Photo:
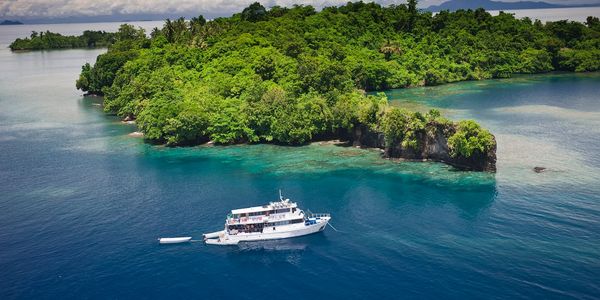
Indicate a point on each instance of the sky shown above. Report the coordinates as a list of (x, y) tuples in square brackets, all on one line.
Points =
[(41, 9)]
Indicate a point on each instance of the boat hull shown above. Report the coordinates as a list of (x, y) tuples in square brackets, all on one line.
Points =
[(293, 231)]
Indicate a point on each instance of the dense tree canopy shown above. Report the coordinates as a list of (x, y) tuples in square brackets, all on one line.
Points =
[(291, 75)]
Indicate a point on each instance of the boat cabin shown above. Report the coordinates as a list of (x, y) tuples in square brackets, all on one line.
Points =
[(255, 219), (258, 227)]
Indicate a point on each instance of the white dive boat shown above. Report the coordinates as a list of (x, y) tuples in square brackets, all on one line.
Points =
[(276, 220)]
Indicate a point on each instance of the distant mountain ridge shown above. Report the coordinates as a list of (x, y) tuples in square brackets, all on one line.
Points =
[(499, 5), (10, 22), (122, 18)]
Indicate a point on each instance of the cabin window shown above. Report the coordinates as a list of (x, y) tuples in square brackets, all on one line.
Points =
[(282, 211), (293, 209)]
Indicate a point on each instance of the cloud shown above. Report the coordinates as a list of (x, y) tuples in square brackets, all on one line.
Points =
[(66, 8)]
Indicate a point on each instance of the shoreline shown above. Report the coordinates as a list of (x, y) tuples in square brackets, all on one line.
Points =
[(386, 152), (513, 76)]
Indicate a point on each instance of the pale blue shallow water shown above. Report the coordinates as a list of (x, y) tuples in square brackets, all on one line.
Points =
[(82, 203)]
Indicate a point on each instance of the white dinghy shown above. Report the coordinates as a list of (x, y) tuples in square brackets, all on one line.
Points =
[(175, 240)]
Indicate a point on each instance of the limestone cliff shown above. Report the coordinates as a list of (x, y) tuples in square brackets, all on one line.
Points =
[(432, 144)]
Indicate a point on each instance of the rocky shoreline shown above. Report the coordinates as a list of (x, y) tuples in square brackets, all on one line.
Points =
[(432, 149), (432, 146)]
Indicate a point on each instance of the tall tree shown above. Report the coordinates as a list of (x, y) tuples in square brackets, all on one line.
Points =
[(413, 13), (254, 13)]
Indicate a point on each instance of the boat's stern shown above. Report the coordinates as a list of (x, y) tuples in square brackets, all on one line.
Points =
[(221, 241), (213, 235), (218, 238)]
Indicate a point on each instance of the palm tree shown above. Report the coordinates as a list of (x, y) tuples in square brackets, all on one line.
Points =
[(169, 30), (196, 24), (180, 30)]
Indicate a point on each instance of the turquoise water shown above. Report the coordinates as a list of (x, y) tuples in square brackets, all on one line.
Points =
[(82, 203)]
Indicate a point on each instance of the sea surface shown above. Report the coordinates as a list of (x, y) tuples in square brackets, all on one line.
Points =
[(82, 203), (578, 14)]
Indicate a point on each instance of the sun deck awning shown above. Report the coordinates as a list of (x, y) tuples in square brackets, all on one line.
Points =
[(267, 207), (251, 209)]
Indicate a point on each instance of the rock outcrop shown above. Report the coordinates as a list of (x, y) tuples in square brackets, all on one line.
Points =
[(432, 145)]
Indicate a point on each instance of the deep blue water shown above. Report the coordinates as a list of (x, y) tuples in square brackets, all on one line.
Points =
[(82, 203)]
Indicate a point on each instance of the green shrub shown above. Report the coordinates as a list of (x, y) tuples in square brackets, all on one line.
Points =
[(469, 138)]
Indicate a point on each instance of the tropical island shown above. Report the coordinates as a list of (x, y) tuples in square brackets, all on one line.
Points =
[(294, 75), (50, 40)]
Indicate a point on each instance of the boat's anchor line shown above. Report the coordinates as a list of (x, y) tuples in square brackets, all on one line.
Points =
[(328, 223)]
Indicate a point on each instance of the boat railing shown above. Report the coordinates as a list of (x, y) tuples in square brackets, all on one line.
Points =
[(319, 215), (273, 217)]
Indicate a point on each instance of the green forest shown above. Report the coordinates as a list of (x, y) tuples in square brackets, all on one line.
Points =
[(50, 40), (294, 75)]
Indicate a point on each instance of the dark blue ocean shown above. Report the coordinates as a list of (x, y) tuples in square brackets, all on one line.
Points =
[(82, 202)]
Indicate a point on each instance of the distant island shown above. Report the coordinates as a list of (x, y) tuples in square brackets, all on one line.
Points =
[(454, 5), (10, 22), (116, 17), (50, 40)]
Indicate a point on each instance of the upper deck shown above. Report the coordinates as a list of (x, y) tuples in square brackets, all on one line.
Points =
[(261, 210), (274, 211)]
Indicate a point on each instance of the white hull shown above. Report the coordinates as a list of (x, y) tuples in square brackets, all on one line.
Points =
[(282, 232)]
